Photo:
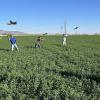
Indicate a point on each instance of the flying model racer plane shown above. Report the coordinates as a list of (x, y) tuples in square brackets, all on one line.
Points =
[(12, 22), (76, 28)]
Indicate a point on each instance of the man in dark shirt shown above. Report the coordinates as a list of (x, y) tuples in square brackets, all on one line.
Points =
[(38, 42)]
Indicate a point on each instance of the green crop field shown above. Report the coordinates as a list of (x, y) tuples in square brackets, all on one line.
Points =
[(53, 72)]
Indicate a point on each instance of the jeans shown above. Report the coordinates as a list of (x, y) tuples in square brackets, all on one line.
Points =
[(37, 45), (14, 46), (64, 43)]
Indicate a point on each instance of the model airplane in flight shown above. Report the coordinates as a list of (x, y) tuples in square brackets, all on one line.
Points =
[(12, 22), (76, 28)]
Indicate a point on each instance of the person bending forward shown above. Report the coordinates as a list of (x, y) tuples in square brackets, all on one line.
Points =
[(13, 43)]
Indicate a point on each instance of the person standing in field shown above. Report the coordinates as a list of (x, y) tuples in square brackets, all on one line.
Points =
[(64, 39), (13, 43), (38, 42)]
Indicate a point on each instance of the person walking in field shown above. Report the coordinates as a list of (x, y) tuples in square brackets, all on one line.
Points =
[(13, 43), (38, 42), (64, 39)]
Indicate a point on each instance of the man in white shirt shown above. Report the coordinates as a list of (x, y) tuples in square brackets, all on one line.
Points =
[(64, 39)]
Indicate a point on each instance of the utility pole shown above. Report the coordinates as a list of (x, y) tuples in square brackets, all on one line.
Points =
[(61, 30), (65, 28)]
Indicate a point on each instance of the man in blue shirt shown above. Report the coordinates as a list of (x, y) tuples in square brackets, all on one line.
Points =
[(13, 43)]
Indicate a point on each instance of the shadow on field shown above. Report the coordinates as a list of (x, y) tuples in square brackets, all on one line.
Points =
[(2, 49), (3, 77), (30, 47), (59, 45), (79, 76)]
